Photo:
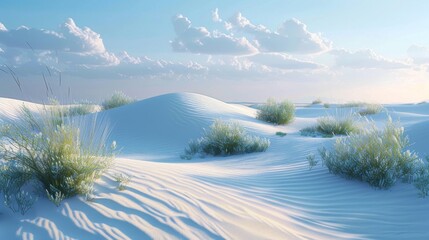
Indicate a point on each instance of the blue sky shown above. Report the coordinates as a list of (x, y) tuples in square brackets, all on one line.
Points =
[(377, 48)]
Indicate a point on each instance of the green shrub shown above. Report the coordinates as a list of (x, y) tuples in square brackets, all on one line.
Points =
[(421, 178), (281, 134), (312, 162), (58, 154), (374, 156), (225, 138), (339, 125), (326, 105), (116, 100), (81, 109), (352, 104), (278, 113), (122, 180), (317, 101), (333, 125), (371, 109)]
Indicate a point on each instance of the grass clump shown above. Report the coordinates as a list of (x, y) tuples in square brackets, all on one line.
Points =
[(371, 109), (53, 154), (352, 105), (81, 109), (277, 113), (337, 125), (122, 180), (225, 138), (317, 101), (330, 126), (312, 162), (281, 134), (116, 100), (377, 157)]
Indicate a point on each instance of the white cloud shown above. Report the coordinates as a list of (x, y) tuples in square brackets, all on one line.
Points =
[(200, 40), (215, 15), (138, 67), (70, 38), (282, 61), (70, 45), (82, 40), (2, 27), (365, 59), (419, 54), (291, 37)]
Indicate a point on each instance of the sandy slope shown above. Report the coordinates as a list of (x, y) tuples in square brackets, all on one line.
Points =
[(271, 195)]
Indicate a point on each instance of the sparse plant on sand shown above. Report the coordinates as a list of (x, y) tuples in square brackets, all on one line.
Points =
[(329, 126), (58, 154), (281, 134), (317, 101), (116, 100), (312, 162), (225, 138), (277, 112), (371, 109), (352, 104), (375, 156), (122, 180), (81, 109)]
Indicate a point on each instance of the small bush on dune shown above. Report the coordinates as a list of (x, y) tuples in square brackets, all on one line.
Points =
[(333, 125), (340, 125), (317, 101), (225, 138), (52, 153), (374, 156), (278, 113), (352, 104), (81, 109), (116, 100), (312, 162), (122, 180), (371, 109), (281, 134)]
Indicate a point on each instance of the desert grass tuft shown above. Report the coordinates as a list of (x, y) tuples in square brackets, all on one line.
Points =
[(225, 138), (277, 112), (281, 134), (378, 157), (330, 126), (317, 101), (371, 109), (62, 156), (116, 100), (122, 180)]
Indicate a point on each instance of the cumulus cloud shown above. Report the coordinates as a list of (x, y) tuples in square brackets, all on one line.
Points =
[(2, 27), (365, 59), (69, 38), (138, 67), (419, 54), (200, 40), (215, 15), (291, 37), (70, 45), (282, 61)]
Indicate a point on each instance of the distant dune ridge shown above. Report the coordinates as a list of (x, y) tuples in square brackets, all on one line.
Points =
[(269, 195)]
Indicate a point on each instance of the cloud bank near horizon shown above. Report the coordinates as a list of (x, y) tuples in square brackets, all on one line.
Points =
[(241, 51)]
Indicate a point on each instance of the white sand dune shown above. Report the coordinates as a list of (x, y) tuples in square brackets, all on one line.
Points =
[(163, 125), (270, 195), (11, 108)]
